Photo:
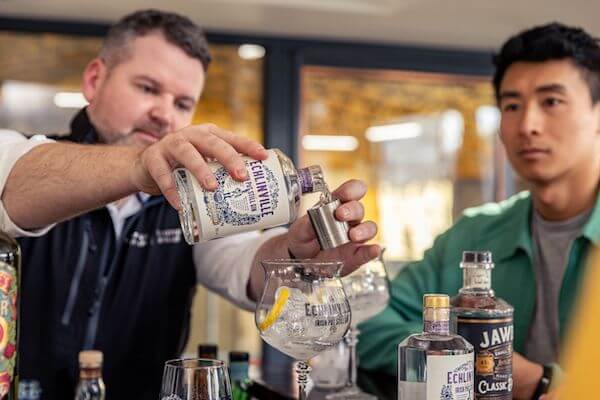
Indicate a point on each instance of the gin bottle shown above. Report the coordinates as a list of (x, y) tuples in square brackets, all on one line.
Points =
[(435, 364), (269, 197), (29, 389), (487, 323), (90, 386)]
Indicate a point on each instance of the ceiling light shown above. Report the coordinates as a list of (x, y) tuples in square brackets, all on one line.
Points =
[(70, 100), (251, 51), (405, 130), (329, 143)]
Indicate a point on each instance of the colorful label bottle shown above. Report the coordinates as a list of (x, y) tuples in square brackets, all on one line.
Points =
[(487, 323), (10, 264)]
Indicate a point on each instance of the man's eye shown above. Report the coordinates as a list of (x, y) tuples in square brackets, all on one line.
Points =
[(552, 101), (147, 89), (184, 106)]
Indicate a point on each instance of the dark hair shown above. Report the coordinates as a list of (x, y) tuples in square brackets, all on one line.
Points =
[(177, 29), (553, 41)]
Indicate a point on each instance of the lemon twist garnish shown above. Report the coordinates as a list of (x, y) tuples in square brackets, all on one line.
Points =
[(276, 310)]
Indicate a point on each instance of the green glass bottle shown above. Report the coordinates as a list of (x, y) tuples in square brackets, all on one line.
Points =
[(238, 371)]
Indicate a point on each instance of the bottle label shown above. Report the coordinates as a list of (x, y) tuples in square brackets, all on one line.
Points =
[(478, 278), (8, 326), (329, 314), (441, 327), (306, 180), (259, 202), (450, 377), (492, 340)]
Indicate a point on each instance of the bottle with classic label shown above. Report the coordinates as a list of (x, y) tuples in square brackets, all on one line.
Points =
[(10, 268), (487, 323), (435, 364), (269, 197)]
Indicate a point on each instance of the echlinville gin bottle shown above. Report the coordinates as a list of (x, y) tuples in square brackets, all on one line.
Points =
[(90, 386), (10, 266), (435, 364), (269, 197), (487, 323)]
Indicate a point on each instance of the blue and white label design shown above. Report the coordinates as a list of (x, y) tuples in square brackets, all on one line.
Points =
[(492, 340), (259, 202), (450, 377)]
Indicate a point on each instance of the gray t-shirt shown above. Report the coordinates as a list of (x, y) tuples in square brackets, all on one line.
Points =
[(551, 245)]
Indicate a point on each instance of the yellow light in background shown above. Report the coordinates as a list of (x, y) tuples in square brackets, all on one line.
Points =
[(412, 215), (329, 143), (487, 120), (405, 130)]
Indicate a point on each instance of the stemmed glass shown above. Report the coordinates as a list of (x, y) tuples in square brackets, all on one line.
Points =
[(303, 310), (367, 290), (195, 379)]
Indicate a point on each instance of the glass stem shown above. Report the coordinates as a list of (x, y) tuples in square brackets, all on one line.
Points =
[(351, 341), (302, 369)]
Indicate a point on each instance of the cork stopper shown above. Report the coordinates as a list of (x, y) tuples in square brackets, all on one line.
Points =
[(90, 359), (436, 301)]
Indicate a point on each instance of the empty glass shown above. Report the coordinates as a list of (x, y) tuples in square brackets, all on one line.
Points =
[(303, 310), (367, 290), (195, 379)]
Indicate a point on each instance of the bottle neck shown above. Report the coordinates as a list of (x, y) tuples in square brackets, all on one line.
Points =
[(311, 179), (86, 373), (477, 281), (436, 321), (238, 370)]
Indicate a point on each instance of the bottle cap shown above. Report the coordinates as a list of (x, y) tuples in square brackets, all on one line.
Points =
[(311, 179), (90, 358), (477, 257), (436, 301), (238, 356), (330, 232), (207, 350)]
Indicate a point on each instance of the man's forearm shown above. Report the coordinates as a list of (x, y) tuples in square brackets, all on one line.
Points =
[(55, 181)]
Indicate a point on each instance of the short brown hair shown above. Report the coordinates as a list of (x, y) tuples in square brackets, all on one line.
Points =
[(177, 30)]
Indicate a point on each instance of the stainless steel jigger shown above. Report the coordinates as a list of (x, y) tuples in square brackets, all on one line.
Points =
[(330, 232)]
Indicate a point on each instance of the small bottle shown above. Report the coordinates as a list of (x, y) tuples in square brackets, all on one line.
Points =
[(435, 364), (269, 197), (487, 323), (10, 268), (238, 371), (208, 351), (90, 386), (30, 389)]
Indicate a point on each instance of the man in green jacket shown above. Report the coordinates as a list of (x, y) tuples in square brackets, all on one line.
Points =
[(547, 86)]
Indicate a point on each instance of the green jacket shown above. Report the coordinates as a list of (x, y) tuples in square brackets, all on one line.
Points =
[(504, 229)]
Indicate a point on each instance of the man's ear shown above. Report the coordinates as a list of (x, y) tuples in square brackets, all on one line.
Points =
[(597, 106), (93, 77)]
